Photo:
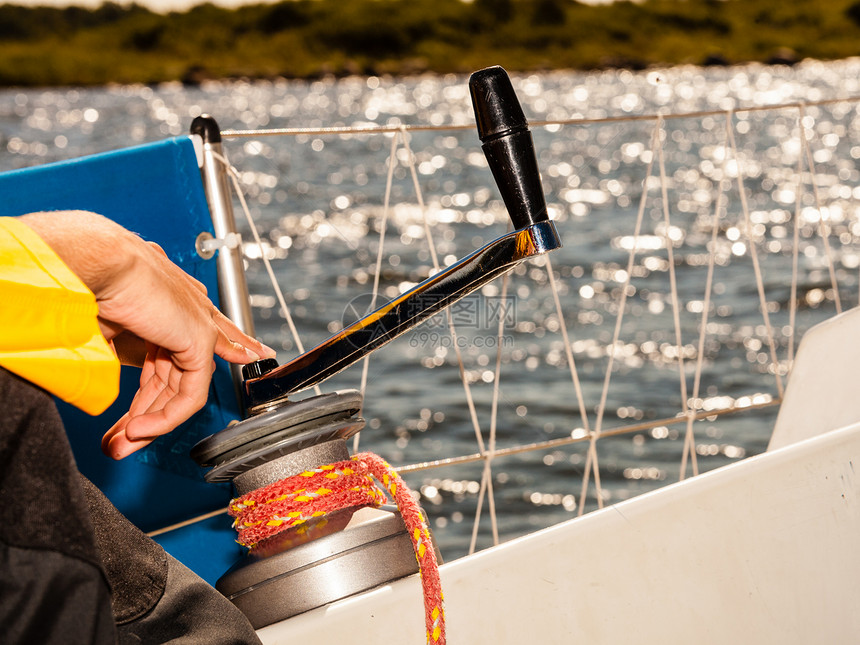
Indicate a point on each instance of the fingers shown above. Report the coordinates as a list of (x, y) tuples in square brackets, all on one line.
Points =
[(154, 300), (175, 385), (233, 345), (141, 293), (112, 442), (168, 396), (238, 352), (176, 395)]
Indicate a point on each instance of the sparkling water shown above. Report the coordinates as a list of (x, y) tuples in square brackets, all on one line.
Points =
[(319, 201)]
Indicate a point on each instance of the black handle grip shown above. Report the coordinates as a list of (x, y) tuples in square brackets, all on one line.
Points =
[(508, 146)]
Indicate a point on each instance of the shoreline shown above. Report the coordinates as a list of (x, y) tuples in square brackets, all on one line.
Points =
[(314, 39)]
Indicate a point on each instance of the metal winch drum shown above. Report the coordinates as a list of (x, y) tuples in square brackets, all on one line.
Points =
[(351, 551)]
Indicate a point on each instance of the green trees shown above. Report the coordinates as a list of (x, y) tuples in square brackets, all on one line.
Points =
[(306, 38)]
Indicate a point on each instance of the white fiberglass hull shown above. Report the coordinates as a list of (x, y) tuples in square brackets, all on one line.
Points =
[(762, 551)]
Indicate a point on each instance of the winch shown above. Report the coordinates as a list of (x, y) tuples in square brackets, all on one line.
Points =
[(325, 557)]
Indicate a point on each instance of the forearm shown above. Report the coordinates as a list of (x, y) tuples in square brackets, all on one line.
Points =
[(96, 249), (143, 297)]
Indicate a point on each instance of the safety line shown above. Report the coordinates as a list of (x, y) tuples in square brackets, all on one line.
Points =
[(591, 458), (390, 129), (524, 448), (759, 279)]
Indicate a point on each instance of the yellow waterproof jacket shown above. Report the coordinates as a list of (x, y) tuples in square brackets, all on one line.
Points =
[(49, 333)]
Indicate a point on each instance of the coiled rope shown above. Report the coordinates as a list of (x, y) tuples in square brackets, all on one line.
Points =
[(293, 501)]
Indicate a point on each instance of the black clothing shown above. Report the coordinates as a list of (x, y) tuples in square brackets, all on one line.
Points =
[(72, 568)]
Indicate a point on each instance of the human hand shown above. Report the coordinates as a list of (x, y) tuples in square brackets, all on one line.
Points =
[(152, 310)]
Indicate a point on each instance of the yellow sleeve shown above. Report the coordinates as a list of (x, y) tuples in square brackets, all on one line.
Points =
[(50, 334)]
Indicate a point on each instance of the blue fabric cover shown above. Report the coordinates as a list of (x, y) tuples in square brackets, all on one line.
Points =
[(156, 191)]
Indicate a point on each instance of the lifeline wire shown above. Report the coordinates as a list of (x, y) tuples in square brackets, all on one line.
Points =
[(689, 450), (234, 177), (383, 129), (676, 307), (759, 279), (823, 215), (746, 403), (594, 435), (486, 479)]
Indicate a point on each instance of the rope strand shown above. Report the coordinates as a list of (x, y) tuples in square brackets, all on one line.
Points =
[(293, 501)]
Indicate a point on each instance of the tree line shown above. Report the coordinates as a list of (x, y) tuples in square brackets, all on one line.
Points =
[(311, 38)]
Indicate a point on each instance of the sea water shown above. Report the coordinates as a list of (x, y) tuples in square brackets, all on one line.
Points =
[(319, 200)]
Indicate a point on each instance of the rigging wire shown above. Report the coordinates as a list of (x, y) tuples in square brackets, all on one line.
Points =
[(488, 454), (823, 218), (591, 458), (759, 279), (383, 129), (234, 177)]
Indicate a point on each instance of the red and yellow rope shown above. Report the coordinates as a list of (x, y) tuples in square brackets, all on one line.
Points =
[(291, 502)]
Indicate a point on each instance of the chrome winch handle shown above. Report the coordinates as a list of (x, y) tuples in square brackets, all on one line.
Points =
[(509, 149)]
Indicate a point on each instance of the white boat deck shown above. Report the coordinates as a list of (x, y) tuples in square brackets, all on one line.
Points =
[(760, 551)]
